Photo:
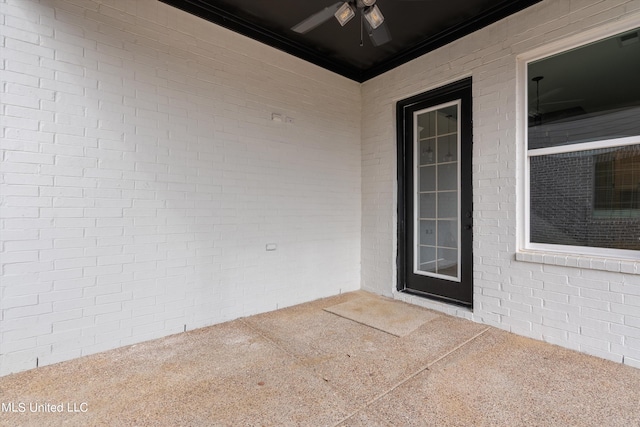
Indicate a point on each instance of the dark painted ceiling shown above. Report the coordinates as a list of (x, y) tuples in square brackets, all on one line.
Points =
[(416, 27)]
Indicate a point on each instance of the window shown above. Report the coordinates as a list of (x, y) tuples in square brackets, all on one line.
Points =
[(583, 148)]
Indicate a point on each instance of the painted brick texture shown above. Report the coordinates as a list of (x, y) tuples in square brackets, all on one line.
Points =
[(143, 177), (588, 304)]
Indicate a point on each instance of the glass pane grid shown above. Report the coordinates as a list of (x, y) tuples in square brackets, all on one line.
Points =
[(437, 193)]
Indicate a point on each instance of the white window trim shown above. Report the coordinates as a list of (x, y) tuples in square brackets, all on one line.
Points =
[(584, 146), (595, 258)]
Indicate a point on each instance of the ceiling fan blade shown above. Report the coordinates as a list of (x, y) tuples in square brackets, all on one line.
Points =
[(316, 19), (378, 36)]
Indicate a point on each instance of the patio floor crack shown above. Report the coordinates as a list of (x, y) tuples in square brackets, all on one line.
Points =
[(410, 377)]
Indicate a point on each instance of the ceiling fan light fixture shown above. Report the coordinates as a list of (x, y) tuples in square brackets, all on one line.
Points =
[(374, 16), (367, 2), (345, 13)]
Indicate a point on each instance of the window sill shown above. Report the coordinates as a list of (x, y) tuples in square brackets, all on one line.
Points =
[(580, 261)]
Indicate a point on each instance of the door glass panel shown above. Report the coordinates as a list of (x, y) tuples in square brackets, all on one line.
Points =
[(427, 151), (448, 204), (437, 192), (428, 260), (428, 205), (427, 125), (428, 233), (447, 263), (448, 176), (448, 148), (447, 233), (427, 178)]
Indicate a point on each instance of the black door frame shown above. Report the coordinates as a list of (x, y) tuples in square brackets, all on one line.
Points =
[(404, 127)]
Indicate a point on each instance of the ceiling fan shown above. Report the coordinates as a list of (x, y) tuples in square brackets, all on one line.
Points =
[(370, 16)]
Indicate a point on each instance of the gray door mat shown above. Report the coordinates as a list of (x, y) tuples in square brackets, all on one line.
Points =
[(393, 317)]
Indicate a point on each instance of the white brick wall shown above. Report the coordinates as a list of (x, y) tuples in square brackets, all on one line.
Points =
[(584, 307), (142, 177)]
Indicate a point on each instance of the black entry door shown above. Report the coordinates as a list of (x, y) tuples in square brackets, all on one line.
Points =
[(435, 208)]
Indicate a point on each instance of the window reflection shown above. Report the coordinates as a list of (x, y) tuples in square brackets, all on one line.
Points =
[(587, 198), (586, 94)]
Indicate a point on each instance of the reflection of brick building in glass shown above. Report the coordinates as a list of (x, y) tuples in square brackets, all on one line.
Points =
[(587, 198), (617, 182)]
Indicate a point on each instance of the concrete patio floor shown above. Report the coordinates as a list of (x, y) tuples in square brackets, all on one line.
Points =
[(303, 366)]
